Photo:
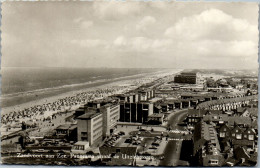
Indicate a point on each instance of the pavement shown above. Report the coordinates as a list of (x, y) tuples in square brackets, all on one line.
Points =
[(173, 147)]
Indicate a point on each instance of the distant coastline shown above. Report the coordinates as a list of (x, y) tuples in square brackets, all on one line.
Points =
[(20, 100)]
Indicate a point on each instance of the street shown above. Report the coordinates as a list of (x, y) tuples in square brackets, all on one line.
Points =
[(173, 148)]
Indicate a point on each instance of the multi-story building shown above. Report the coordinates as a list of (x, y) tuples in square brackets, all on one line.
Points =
[(110, 113), (136, 107), (186, 77), (90, 127), (135, 112), (132, 97), (110, 118)]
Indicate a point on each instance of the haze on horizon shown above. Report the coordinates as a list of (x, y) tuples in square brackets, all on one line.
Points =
[(131, 34)]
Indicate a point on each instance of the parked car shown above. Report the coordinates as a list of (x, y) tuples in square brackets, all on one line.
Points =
[(121, 133), (128, 140)]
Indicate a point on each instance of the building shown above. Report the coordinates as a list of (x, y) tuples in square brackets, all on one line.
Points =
[(146, 94), (196, 115), (80, 147), (110, 118), (239, 136), (227, 104), (136, 106), (186, 77), (135, 112), (224, 132), (90, 127), (206, 148), (156, 118), (109, 109), (68, 131), (119, 156)]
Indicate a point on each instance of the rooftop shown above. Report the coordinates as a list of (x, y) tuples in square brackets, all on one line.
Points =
[(89, 115), (155, 99), (225, 101), (67, 126), (156, 115), (82, 143)]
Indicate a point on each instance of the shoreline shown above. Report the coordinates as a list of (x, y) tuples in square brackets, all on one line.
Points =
[(15, 99), (116, 82)]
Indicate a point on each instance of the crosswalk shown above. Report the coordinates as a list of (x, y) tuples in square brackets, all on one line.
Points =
[(179, 132), (179, 139)]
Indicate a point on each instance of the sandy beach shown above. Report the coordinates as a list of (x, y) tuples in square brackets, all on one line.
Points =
[(45, 107), (126, 82)]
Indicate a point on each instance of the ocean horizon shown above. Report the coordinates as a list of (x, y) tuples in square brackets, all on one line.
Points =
[(25, 84)]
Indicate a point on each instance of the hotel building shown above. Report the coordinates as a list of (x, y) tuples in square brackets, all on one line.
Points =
[(110, 114), (186, 77), (90, 127)]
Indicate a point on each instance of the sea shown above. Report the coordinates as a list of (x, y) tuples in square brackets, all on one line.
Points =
[(21, 85)]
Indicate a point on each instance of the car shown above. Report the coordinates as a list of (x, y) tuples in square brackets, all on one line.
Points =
[(135, 143), (121, 133), (128, 140), (157, 137), (153, 147), (155, 144)]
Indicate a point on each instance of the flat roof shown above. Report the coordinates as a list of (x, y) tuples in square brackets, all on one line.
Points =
[(89, 115), (156, 115), (82, 143), (155, 99), (67, 126)]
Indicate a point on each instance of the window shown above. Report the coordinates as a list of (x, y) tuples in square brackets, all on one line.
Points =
[(239, 136), (78, 147), (84, 134), (145, 107), (222, 134), (233, 135), (213, 162), (225, 129), (251, 137), (236, 130)]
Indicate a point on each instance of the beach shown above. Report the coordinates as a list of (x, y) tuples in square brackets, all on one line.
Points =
[(35, 110)]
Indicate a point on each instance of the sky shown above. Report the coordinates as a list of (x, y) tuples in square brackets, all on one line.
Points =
[(131, 34)]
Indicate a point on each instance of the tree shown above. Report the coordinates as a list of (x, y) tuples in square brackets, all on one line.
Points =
[(210, 82)]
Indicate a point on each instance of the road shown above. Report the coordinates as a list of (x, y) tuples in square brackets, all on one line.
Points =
[(173, 148), (175, 118)]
